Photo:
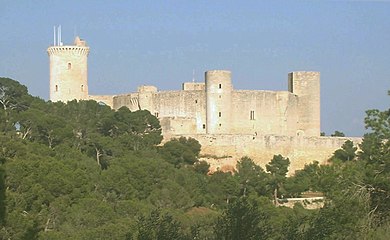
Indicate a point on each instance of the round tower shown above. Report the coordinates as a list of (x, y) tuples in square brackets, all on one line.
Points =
[(218, 101), (68, 71)]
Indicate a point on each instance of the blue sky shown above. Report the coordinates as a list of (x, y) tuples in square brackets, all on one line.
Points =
[(161, 42)]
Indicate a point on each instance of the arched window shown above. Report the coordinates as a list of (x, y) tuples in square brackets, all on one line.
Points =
[(69, 66)]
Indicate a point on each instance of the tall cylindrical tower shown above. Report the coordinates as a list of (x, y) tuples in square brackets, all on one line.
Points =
[(218, 101), (306, 85), (69, 71)]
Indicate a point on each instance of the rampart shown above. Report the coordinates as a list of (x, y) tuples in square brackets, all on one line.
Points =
[(226, 149), (105, 99)]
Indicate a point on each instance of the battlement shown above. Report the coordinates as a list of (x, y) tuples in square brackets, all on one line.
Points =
[(74, 50)]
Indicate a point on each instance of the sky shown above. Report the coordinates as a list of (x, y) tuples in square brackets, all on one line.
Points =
[(162, 43)]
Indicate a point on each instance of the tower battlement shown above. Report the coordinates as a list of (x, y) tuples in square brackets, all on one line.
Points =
[(74, 50)]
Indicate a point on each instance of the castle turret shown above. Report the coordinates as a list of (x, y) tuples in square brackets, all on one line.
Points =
[(306, 85), (68, 71), (218, 101)]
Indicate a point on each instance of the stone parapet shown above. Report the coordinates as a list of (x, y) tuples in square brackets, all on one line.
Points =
[(300, 150)]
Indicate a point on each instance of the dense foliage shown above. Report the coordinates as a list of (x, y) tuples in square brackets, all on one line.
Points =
[(83, 171)]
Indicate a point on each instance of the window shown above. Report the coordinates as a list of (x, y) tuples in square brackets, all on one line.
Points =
[(156, 114), (252, 115), (69, 66), (204, 126), (220, 125), (196, 101), (82, 88), (219, 114), (220, 86), (56, 88)]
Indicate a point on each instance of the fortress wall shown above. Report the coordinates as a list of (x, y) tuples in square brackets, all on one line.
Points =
[(300, 150), (106, 99), (182, 104), (172, 126), (264, 112), (189, 86), (130, 100), (147, 100)]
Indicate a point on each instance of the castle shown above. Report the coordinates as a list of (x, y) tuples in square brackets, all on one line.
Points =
[(227, 122)]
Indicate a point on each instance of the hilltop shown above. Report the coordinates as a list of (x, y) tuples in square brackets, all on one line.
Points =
[(84, 171)]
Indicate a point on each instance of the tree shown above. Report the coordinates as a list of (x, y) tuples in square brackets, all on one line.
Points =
[(222, 188), (306, 179), (181, 151), (12, 94), (337, 134), (278, 167), (241, 220), (157, 226), (346, 153), (202, 167), (375, 152), (252, 177), (2, 196)]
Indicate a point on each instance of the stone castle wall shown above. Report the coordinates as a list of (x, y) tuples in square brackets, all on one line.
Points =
[(300, 150), (225, 121), (264, 112), (106, 99), (130, 100), (260, 112), (214, 107)]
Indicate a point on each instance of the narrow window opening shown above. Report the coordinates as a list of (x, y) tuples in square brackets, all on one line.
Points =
[(219, 114), (252, 115), (69, 66), (156, 114), (82, 88), (204, 126), (56, 88), (196, 101), (220, 124), (220, 86)]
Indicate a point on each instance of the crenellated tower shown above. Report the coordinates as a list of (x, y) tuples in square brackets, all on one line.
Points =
[(68, 70)]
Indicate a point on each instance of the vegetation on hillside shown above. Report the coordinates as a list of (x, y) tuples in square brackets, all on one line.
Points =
[(83, 171)]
